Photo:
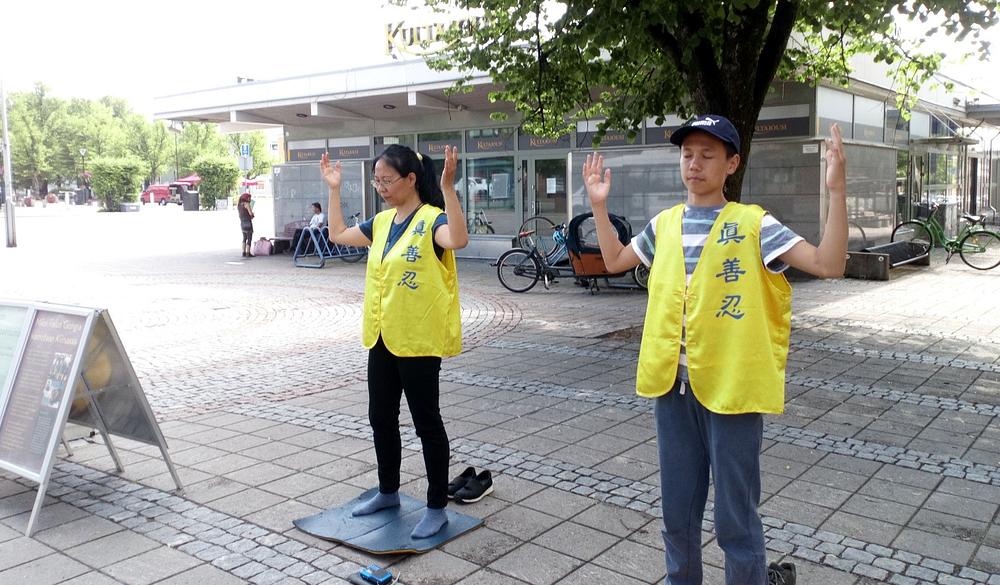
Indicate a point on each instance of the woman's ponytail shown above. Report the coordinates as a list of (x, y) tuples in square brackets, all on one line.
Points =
[(428, 186)]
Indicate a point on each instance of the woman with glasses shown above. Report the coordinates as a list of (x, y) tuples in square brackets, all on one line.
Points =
[(411, 314)]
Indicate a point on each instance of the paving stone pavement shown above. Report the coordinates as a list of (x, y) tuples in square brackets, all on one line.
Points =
[(885, 467)]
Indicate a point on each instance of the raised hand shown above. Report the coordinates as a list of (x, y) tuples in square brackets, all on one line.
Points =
[(450, 164), (597, 183), (331, 172), (836, 162)]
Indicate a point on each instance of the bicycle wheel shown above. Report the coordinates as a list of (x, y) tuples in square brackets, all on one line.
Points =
[(537, 232), (518, 270), (980, 250), (915, 232), (640, 274)]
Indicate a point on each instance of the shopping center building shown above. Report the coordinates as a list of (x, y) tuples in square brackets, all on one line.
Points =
[(944, 152)]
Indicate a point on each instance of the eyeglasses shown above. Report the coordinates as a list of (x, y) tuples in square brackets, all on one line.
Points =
[(377, 183)]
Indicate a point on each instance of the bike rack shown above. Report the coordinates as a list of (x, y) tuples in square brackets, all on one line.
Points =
[(322, 249), (874, 262)]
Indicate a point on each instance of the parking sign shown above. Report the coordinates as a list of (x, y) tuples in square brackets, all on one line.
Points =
[(244, 149)]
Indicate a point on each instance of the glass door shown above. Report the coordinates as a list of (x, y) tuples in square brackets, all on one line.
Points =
[(543, 194), (543, 187), (490, 204)]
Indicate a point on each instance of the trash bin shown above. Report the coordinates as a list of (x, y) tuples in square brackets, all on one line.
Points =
[(190, 201)]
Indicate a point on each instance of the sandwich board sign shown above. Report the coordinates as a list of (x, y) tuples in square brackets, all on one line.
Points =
[(62, 363)]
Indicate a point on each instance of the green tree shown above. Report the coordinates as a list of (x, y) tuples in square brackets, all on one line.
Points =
[(35, 120), (148, 141), (262, 160), (87, 124), (198, 140), (219, 175), (627, 60), (117, 180)]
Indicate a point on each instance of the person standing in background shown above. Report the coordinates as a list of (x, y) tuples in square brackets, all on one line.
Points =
[(246, 223)]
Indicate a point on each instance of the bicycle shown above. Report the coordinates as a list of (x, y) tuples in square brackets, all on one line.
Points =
[(351, 254), (480, 224), (542, 232), (975, 244), (520, 269)]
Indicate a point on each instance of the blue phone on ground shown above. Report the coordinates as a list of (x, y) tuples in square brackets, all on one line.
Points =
[(376, 574)]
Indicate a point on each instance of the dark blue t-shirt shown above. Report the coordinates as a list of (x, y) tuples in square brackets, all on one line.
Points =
[(398, 229)]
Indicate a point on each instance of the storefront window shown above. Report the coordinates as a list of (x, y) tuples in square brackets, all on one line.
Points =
[(835, 106), (869, 118), (897, 129), (383, 142), (941, 178), (920, 125), (433, 143), (489, 196)]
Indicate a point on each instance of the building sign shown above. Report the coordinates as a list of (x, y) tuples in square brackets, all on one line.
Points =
[(496, 143), (530, 142), (435, 148), (659, 134), (401, 38), (349, 152), (611, 138), (782, 128), (305, 154)]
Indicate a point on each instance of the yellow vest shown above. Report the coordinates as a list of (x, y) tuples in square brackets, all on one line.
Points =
[(411, 297), (738, 317)]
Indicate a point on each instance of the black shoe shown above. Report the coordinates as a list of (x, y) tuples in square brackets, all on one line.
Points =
[(460, 481), (783, 574), (476, 488)]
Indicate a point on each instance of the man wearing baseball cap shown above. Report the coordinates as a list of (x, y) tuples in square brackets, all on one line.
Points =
[(715, 340)]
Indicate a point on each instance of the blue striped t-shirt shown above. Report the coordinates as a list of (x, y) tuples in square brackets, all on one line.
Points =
[(775, 240)]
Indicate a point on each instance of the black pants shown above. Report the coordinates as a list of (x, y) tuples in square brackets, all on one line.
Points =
[(388, 377), (247, 236)]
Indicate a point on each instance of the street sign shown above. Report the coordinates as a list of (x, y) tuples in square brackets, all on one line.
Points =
[(244, 149), (246, 163)]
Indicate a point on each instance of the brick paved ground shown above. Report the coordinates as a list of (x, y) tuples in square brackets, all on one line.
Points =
[(884, 469)]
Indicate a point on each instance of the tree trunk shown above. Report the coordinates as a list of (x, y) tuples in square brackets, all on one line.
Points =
[(745, 122)]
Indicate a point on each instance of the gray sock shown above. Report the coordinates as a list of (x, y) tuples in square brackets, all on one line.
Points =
[(377, 502), (434, 520)]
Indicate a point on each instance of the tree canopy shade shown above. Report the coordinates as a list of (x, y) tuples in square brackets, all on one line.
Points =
[(623, 61)]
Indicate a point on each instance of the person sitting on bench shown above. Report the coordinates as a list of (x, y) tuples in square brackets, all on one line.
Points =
[(316, 222)]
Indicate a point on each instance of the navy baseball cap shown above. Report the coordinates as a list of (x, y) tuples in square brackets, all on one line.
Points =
[(717, 126)]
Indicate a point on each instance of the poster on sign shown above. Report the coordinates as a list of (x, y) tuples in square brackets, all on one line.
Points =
[(31, 409)]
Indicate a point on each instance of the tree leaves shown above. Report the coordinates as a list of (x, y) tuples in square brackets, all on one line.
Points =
[(626, 60)]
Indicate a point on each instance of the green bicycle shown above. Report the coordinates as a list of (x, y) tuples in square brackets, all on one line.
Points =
[(977, 246)]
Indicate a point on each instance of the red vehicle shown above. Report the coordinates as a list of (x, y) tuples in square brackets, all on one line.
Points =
[(172, 193), (161, 194)]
